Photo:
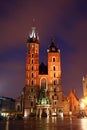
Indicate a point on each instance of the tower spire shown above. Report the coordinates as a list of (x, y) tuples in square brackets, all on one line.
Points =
[(33, 33), (33, 36)]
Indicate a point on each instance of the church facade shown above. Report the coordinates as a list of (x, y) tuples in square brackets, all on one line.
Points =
[(43, 94)]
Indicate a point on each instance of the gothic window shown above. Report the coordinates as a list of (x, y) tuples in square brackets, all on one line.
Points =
[(52, 97), (32, 82), (32, 75), (32, 68), (53, 59), (55, 103), (54, 75), (54, 68), (32, 61), (43, 83), (55, 90), (55, 82)]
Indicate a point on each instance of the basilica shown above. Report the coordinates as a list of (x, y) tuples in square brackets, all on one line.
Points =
[(43, 92)]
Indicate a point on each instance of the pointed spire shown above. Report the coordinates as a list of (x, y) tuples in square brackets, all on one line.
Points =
[(33, 36)]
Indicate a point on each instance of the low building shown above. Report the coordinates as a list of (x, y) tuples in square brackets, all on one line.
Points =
[(7, 105)]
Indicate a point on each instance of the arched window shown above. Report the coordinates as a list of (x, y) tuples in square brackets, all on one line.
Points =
[(32, 75), (54, 75), (53, 59), (32, 82), (54, 68), (55, 82), (32, 68), (32, 61), (43, 83)]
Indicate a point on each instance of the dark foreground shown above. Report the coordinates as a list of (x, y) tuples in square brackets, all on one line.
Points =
[(45, 124)]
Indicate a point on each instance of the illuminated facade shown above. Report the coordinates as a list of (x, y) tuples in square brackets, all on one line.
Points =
[(73, 102), (84, 81), (43, 90), (83, 101)]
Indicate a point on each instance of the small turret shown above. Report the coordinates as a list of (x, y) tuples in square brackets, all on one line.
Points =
[(52, 47)]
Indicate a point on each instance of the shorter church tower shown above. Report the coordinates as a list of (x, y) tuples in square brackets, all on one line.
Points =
[(54, 76)]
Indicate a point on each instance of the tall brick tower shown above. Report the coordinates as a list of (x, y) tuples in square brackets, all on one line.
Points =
[(32, 59), (32, 72)]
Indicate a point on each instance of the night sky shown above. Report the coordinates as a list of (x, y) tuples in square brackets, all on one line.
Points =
[(65, 20)]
